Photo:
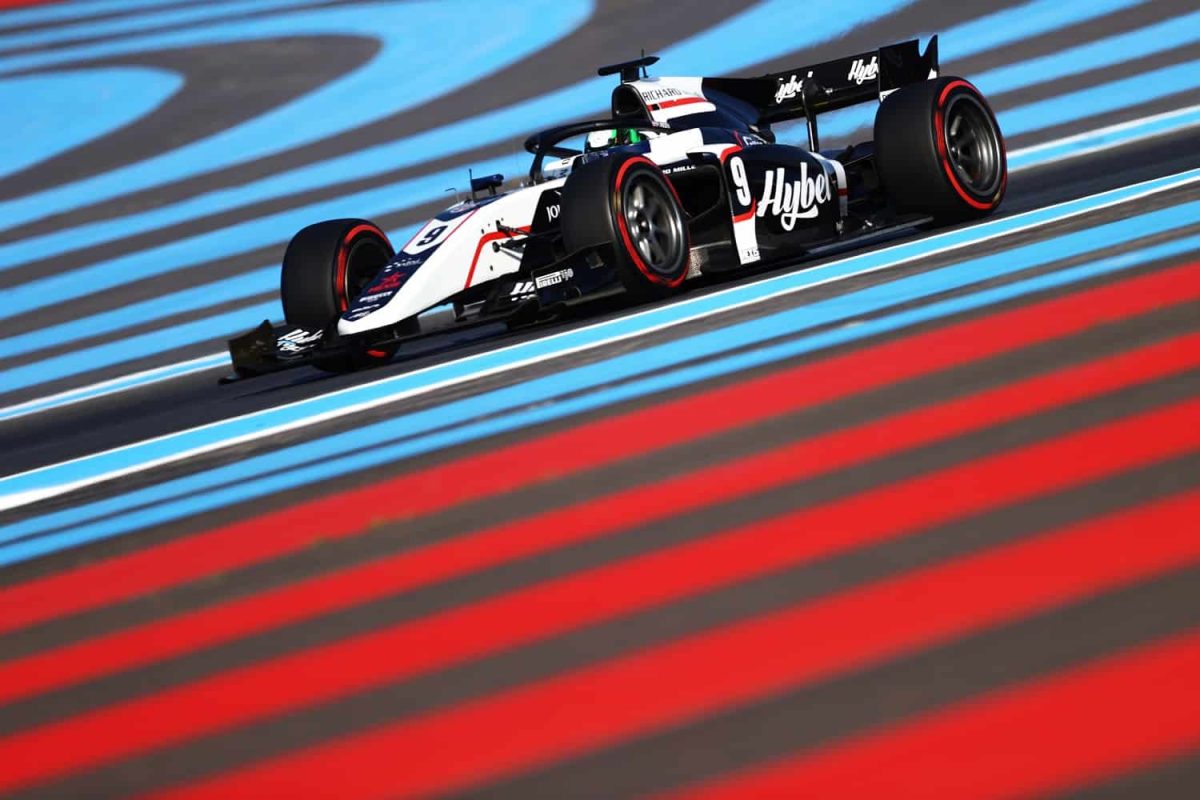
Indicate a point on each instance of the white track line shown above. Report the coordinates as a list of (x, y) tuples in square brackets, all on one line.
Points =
[(123, 383), (1100, 139)]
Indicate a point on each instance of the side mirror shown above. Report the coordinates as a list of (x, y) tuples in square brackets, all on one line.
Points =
[(489, 182)]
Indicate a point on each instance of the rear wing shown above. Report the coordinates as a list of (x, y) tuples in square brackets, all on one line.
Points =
[(821, 88)]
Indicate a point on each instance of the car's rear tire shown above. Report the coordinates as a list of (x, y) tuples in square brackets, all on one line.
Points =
[(326, 266), (939, 150), (626, 209)]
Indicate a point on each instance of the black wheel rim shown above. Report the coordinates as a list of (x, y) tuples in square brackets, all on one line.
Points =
[(972, 145), (366, 257), (654, 224)]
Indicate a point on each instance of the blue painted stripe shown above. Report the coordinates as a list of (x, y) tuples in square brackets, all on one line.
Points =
[(63, 110), (116, 354), (1100, 54), (230, 492), (1098, 100), (611, 370), (223, 243), (244, 286), (777, 17), (767, 31), (250, 234), (134, 24), (392, 81), (227, 323), (80, 9), (265, 280), (1028, 158), (665, 315), (1023, 21), (259, 281)]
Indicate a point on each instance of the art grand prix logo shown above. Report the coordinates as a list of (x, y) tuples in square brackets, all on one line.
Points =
[(389, 283)]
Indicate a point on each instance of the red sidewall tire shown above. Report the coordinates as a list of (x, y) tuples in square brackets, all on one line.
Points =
[(593, 217), (675, 278), (985, 203), (913, 157), (325, 266), (324, 269)]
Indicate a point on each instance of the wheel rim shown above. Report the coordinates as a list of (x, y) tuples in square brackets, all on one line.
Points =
[(655, 227), (972, 145), (366, 256)]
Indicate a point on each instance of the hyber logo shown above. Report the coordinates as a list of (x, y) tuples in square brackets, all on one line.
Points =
[(795, 200), (789, 89), (860, 72)]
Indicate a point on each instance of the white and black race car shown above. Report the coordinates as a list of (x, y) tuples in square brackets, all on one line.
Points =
[(685, 178)]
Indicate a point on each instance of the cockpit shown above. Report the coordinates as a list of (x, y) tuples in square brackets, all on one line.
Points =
[(616, 137)]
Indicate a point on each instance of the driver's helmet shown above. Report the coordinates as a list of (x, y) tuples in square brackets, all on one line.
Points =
[(600, 140)]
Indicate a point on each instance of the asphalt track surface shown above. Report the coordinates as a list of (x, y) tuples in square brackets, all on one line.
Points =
[(936, 539)]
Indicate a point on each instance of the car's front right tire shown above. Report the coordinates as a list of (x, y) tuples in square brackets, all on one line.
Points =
[(326, 266)]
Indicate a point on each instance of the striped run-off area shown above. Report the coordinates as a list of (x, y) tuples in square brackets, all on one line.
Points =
[(917, 519)]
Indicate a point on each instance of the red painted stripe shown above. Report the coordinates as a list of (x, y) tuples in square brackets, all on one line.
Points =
[(592, 444), (685, 680), (174, 636), (1047, 736), (22, 3), (357, 664)]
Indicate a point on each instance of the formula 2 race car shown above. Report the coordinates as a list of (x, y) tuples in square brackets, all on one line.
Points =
[(685, 178)]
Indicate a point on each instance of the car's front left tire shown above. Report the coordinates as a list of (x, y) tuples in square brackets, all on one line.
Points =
[(627, 210)]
